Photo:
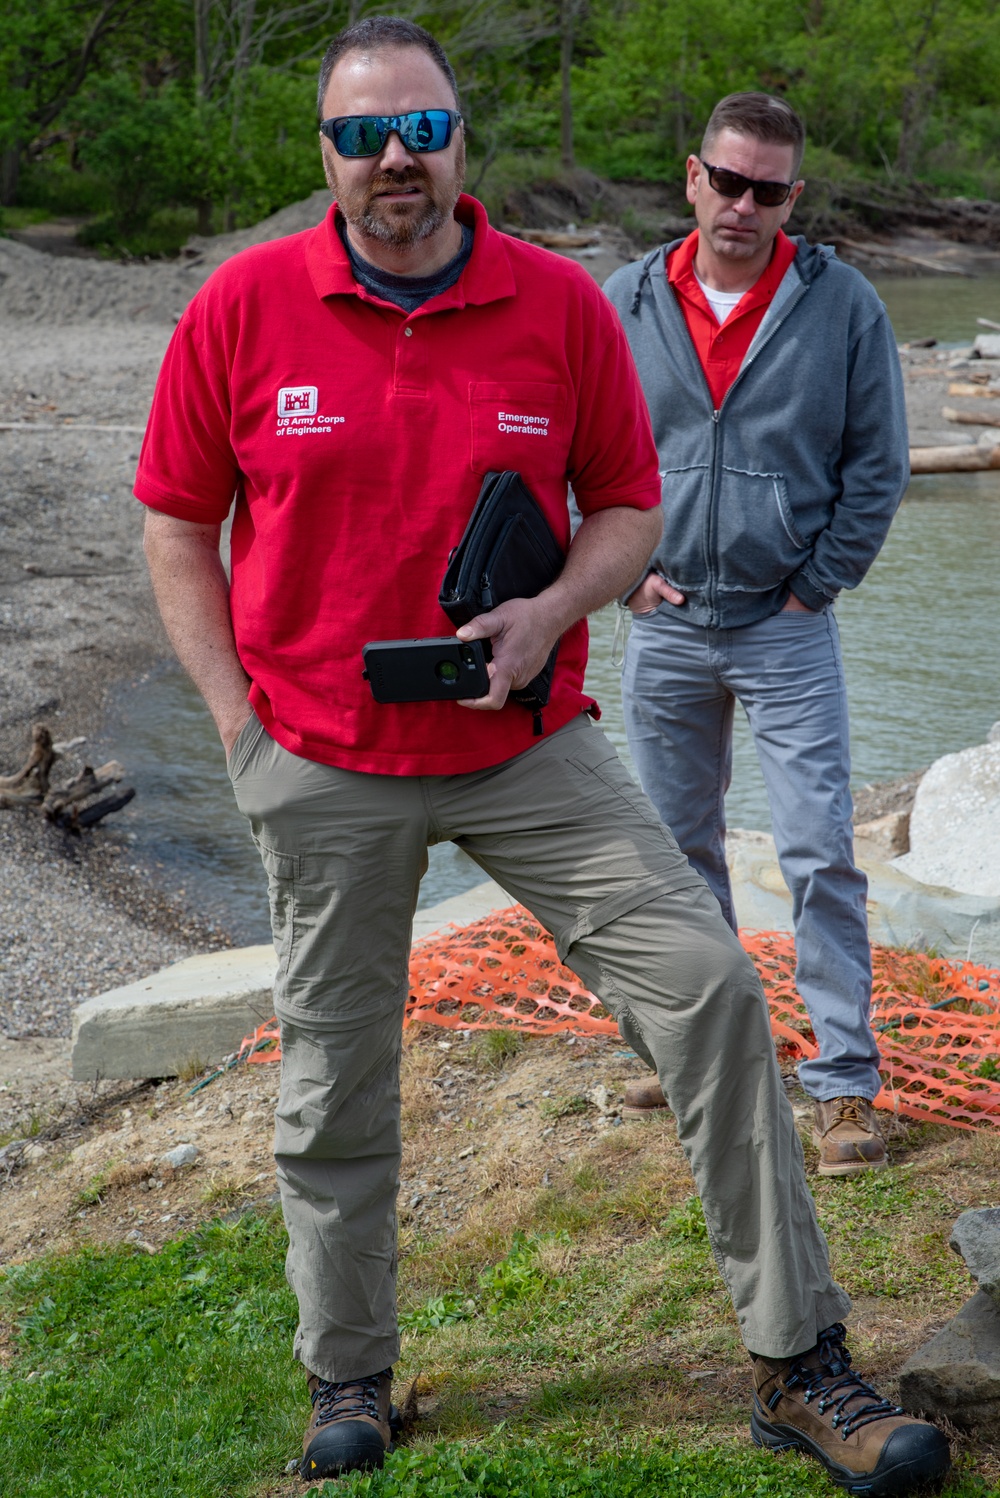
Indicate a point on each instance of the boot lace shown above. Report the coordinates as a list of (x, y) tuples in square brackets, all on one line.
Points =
[(346, 1401), (849, 1111), (835, 1364)]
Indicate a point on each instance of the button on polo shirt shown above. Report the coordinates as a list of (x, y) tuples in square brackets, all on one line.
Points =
[(354, 440), (721, 348)]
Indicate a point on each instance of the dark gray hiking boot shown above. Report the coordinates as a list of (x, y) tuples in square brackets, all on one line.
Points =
[(352, 1426), (816, 1403)]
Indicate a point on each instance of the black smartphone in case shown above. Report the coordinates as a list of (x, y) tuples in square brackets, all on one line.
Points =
[(425, 670)]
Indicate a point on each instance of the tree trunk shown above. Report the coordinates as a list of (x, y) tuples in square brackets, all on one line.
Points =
[(567, 17), (201, 48), (10, 172)]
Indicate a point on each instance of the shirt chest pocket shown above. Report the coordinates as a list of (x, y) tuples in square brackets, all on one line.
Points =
[(522, 425)]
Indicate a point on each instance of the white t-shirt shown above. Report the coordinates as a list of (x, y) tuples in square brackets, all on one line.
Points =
[(721, 302)]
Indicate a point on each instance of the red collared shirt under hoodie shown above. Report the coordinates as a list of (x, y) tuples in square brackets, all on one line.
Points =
[(722, 347), (354, 440)]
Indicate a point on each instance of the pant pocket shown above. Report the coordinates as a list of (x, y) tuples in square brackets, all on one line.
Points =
[(247, 740), (282, 869)]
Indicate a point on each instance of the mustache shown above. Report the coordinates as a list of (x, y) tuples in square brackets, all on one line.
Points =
[(387, 180)]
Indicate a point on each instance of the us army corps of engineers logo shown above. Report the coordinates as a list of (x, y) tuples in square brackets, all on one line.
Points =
[(298, 415)]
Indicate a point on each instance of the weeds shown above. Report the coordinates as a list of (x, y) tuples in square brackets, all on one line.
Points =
[(564, 1107), (492, 1049)]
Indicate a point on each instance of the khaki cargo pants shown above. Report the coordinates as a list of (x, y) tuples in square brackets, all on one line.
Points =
[(566, 831)]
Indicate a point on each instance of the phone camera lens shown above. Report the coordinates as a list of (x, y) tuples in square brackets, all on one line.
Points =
[(446, 671)]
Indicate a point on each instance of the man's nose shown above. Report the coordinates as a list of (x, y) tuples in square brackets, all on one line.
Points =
[(394, 156), (746, 203)]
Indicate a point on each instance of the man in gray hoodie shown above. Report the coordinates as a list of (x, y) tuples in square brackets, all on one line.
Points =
[(774, 386)]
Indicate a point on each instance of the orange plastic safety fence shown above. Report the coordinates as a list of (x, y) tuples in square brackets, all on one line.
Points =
[(938, 1022)]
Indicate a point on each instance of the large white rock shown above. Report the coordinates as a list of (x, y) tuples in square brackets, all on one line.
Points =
[(955, 824)]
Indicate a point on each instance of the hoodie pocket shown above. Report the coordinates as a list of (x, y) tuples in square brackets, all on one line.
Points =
[(757, 542), (681, 553)]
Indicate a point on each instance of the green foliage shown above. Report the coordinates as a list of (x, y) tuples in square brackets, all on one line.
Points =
[(516, 1279), (439, 1311), (102, 108)]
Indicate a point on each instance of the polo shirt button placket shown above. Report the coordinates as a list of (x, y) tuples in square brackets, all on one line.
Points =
[(407, 332)]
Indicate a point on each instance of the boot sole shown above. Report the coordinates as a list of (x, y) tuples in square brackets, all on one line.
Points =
[(847, 1167), (851, 1167), (902, 1477)]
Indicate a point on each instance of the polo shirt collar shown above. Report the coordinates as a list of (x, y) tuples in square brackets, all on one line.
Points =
[(681, 273), (488, 276)]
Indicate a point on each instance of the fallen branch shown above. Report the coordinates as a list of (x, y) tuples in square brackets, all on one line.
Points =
[(73, 820), (63, 805), (966, 458), (970, 418), (87, 783), (31, 782), (960, 387)]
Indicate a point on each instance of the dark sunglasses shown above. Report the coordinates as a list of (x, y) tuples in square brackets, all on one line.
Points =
[(366, 134), (734, 185)]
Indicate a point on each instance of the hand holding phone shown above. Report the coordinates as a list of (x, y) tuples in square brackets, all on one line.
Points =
[(436, 670)]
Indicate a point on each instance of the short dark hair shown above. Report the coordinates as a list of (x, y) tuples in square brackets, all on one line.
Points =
[(374, 34), (761, 116)]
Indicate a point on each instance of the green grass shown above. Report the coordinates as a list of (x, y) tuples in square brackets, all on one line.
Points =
[(165, 1374), (542, 1470), (559, 1362)]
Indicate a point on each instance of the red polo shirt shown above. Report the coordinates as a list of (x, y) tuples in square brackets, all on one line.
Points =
[(354, 440), (721, 348)]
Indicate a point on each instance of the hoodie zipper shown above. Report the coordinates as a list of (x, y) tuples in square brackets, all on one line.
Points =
[(716, 467)]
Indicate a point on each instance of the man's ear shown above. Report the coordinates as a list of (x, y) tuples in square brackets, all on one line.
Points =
[(694, 171), (791, 199)]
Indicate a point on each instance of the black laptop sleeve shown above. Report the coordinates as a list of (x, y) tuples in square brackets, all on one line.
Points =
[(508, 551)]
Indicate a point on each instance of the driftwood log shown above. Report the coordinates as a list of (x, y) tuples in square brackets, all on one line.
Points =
[(960, 387), (970, 418), (959, 459), (66, 806)]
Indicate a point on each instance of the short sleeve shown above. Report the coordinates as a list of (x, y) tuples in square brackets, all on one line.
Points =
[(187, 467)]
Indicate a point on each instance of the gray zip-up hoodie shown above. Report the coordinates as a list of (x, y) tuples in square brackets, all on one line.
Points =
[(793, 482)]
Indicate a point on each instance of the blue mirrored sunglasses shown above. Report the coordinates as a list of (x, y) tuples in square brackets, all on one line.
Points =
[(366, 134)]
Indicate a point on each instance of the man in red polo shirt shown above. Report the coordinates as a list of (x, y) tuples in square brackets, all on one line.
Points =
[(351, 387), (776, 395)]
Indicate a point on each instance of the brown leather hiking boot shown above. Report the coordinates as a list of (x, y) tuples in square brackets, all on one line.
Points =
[(643, 1098), (816, 1403), (352, 1425), (848, 1137)]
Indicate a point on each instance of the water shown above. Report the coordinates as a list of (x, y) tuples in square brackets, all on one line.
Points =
[(921, 640), (941, 307), (184, 823)]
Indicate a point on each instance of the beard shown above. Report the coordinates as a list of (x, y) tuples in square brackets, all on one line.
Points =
[(397, 224)]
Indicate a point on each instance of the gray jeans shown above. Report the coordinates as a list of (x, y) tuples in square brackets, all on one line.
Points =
[(565, 829), (680, 686)]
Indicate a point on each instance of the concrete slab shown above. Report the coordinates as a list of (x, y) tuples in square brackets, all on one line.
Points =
[(187, 1015), (197, 1011), (901, 911)]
